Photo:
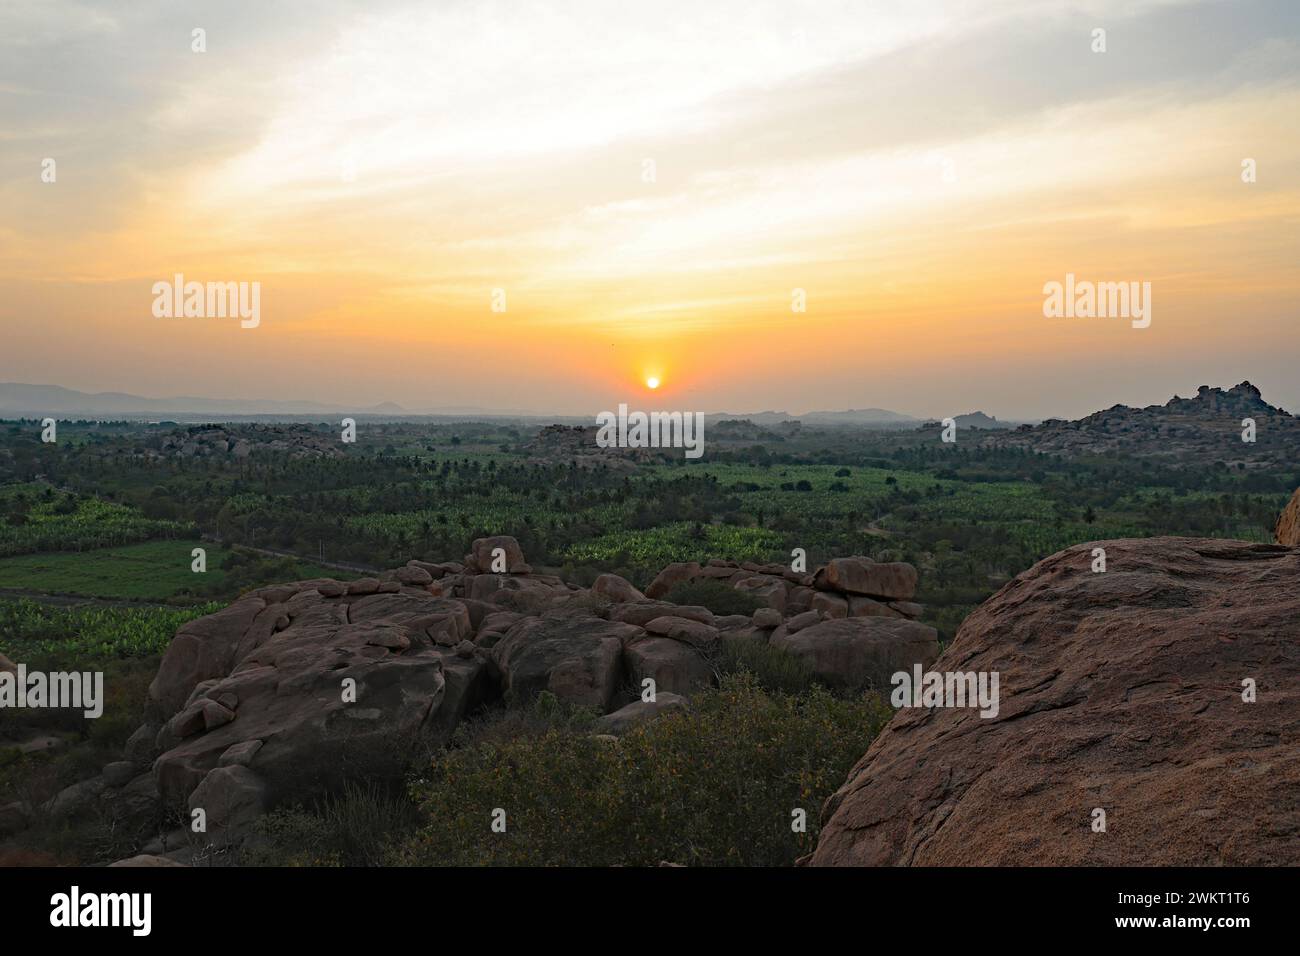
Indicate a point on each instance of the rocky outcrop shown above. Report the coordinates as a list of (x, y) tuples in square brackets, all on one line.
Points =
[(1200, 432), (287, 692), (292, 691), (1163, 693), (1288, 523), (240, 441)]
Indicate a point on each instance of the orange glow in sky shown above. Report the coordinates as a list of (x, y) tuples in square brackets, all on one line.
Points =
[(545, 208)]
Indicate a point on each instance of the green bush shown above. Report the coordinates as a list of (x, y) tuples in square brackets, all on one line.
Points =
[(718, 597), (713, 785), (773, 668)]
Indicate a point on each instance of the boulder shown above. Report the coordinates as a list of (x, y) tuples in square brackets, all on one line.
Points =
[(643, 614), (895, 581), (14, 817), (860, 606), (698, 635), (675, 667), (578, 658), (414, 576), (617, 589), (1288, 523), (767, 617), (799, 599), (76, 799), (7, 666), (908, 608), (670, 577), (639, 712), (119, 773), (232, 798), (800, 621), (479, 560), (862, 651), (827, 604), (1120, 690)]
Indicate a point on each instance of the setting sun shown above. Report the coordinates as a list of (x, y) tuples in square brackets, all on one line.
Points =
[(652, 382)]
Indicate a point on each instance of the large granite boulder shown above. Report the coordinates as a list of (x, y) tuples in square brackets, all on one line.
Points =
[(861, 651), (287, 693), (479, 560), (894, 581), (1288, 523), (1126, 691), (577, 657)]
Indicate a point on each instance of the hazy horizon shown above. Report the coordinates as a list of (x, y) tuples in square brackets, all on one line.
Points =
[(649, 188), (649, 403)]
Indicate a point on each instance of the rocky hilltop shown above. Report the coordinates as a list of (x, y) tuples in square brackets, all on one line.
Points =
[(293, 691), (1184, 431), (1122, 692)]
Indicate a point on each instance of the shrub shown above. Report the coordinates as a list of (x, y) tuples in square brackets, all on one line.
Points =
[(773, 668), (712, 785), (354, 829), (718, 597)]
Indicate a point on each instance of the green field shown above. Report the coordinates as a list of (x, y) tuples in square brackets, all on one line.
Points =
[(151, 571)]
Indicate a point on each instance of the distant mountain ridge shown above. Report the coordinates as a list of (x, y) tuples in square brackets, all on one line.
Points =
[(20, 399), (24, 400)]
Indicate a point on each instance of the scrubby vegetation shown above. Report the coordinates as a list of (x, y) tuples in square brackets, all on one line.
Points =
[(720, 784)]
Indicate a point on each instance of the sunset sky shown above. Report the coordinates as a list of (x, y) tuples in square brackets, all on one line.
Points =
[(920, 169)]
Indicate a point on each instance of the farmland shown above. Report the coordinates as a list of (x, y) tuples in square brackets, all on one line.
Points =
[(111, 514)]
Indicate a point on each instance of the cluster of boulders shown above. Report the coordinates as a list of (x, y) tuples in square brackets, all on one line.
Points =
[(576, 444), (241, 441), (1183, 432), (294, 690)]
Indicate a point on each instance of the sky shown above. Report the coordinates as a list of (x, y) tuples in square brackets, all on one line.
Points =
[(650, 190)]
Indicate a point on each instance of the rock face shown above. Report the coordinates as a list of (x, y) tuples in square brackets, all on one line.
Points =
[(1288, 523), (1120, 690)]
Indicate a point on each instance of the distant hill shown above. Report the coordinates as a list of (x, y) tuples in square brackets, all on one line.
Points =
[(1199, 431), (38, 400), (18, 400), (980, 420), (872, 417)]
